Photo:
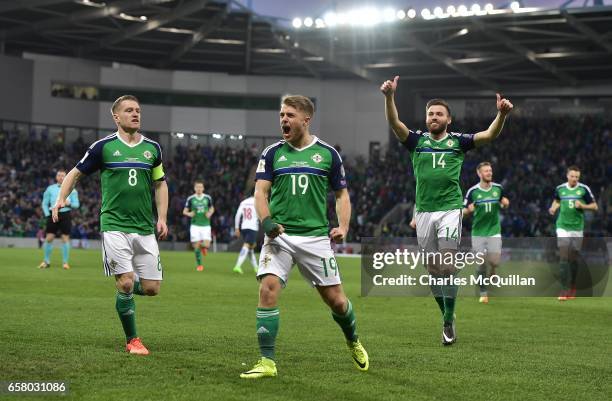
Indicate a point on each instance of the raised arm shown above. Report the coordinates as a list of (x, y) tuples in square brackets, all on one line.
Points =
[(400, 130), (343, 210), (504, 107), (67, 186), (161, 201)]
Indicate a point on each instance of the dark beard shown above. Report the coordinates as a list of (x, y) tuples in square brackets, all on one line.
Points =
[(441, 129)]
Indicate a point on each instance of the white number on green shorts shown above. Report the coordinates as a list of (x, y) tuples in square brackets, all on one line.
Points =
[(132, 178), (440, 161), (302, 183), (332, 265)]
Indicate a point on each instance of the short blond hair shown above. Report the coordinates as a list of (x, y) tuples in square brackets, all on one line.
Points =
[(482, 164), (120, 99), (299, 102)]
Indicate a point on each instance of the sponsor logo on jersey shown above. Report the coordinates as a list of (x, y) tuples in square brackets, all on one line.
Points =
[(427, 142), (117, 153), (282, 159), (479, 196), (148, 155), (449, 142), (317, 158), (261, 167)]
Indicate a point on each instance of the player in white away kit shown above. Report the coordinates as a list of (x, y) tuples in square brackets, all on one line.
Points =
[(248, 231)]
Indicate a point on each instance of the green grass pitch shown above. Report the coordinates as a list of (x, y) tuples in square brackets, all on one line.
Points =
[(62, 325)]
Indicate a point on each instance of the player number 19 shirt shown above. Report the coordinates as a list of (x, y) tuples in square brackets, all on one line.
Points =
[(301, 179)]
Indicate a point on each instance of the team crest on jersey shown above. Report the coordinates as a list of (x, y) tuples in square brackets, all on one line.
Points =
[(579, 192), (449, 142), (261, 167), (266, 259), (494, 193), (148, 155), (317, 158)]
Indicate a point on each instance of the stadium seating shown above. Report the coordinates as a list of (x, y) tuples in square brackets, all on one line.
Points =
[(528, 153)]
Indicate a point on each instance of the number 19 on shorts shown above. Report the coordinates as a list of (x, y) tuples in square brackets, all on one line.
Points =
[(329, 264)]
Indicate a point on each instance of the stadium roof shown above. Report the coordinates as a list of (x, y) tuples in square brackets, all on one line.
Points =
[(567, 48)]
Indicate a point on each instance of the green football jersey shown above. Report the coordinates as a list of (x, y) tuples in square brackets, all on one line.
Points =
[(301, 179), (485, 222), (437, 166), (200, 205), (127, 173), (570, 218)]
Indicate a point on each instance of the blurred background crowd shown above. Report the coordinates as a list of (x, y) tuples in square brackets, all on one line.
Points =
[(529, 152)]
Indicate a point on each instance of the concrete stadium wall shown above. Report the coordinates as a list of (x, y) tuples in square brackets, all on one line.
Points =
[(16, 88), (349, 112)]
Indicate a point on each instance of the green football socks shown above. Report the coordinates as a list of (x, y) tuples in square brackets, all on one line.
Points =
[(450, 295), (198, 255), (267, 329), (347, 322), (138, 290), (564, 277), (126, 309)]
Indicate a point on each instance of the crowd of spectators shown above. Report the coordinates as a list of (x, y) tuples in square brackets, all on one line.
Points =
[(529, 160)]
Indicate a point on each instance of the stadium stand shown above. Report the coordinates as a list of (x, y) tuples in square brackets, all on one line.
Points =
[(528, 153)]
